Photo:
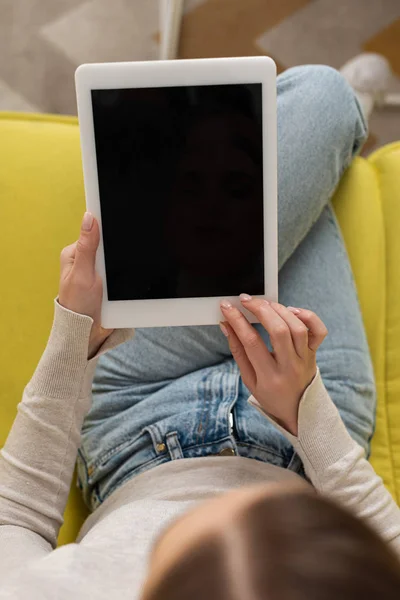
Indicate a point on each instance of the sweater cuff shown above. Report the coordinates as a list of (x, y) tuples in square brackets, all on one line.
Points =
[(322, 436), (64, 370)]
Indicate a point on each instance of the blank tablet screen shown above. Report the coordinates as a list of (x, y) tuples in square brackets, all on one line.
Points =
[(181, 190)]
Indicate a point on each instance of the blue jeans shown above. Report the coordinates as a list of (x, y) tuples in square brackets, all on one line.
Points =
[(168, 393)]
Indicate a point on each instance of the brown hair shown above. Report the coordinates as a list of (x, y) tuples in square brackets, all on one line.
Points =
[(292, 546)]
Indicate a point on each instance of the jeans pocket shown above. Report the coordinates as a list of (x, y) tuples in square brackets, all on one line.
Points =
[(100, 477)]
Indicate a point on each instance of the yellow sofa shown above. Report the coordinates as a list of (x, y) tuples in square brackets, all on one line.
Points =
[(41, 206)]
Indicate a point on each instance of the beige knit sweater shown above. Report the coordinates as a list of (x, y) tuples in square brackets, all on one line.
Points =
[(109, 558)]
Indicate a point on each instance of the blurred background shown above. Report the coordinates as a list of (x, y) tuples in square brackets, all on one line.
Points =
[(43, 41)]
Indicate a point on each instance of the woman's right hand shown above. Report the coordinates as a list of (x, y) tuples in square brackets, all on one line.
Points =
[(276, 379)]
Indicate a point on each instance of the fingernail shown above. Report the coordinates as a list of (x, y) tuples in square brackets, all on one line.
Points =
[(296, 311), (266, 301), (245, 297), (87, 222), (226, 304), (224, 329)]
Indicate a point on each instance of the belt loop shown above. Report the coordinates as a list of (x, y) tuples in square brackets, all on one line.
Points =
[(173, 445)]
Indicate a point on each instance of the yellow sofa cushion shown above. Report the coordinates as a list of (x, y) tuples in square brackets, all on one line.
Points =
[(42, 202), (386, 443), (367, 205)]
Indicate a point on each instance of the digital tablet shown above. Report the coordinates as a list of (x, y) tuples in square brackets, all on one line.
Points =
[(180, 170)]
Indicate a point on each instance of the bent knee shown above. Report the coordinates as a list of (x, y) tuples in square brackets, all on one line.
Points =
[(328, 102)]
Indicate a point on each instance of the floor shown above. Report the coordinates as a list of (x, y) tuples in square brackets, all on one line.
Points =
[(43, 41)]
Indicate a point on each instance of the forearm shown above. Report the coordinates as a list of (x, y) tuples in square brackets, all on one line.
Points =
[(353, 483), (38, 459), (36, 476), (336, 464)]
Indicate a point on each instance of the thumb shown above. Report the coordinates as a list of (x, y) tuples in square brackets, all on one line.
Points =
[(87, 244)]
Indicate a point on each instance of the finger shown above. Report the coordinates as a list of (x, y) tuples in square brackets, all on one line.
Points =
[(239, 354), (277, 328), (86, 246), (298, 330), (67, 256), (254, 346), (317, 329)]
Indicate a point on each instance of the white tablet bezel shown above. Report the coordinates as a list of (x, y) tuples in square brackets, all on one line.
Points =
[(214, 71)]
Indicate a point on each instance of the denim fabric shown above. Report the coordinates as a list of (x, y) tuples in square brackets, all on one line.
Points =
[(168, 393)]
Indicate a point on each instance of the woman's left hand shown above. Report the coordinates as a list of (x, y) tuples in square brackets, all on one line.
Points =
[(81, 287)]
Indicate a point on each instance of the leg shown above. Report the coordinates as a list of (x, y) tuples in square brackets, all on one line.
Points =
[(320, 130), (316, 273), (314, 268)]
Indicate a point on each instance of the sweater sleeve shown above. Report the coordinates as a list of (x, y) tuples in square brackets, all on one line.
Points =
[(38, 458), (336, 464)]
